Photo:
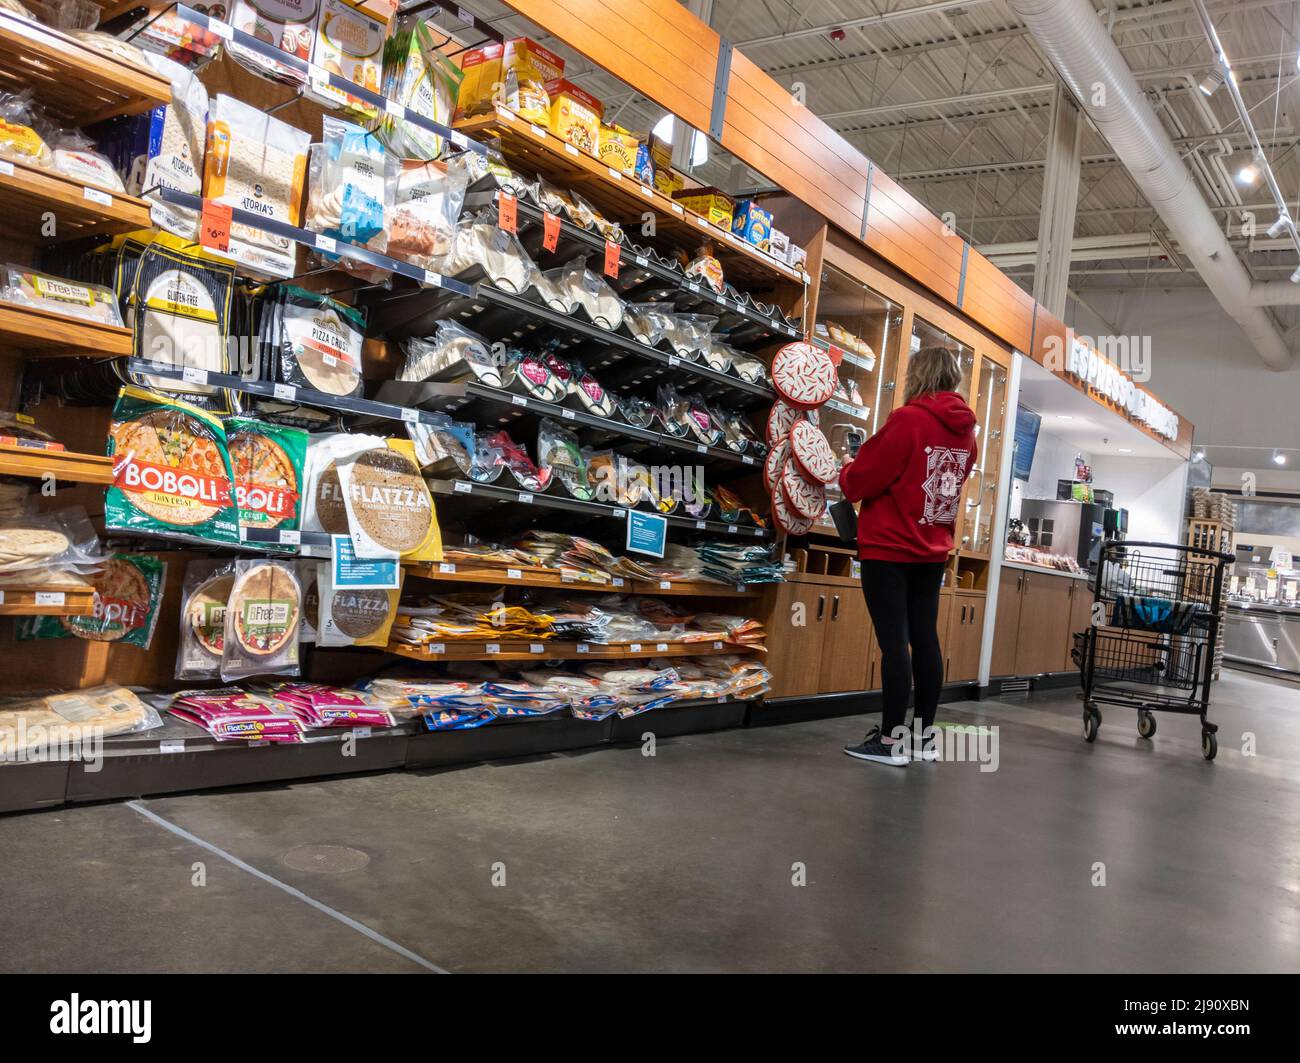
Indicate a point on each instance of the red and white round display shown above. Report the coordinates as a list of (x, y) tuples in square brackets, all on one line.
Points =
[(774, 463), (785, 517), (813, 453), (803, 375), (806, 499), (779, 420)]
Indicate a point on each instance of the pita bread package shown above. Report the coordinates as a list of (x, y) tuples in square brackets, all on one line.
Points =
[(171, 470)]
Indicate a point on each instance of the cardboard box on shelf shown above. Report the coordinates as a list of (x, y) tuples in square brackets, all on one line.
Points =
[(779, 246), (616, 147), (513, 74), (710, 202), (753, 223), (575, 115)]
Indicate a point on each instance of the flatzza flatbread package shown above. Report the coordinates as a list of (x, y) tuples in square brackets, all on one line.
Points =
[(263, 616), (171, 470), (267, 462), (323, 507), (128, 593), (351, 616), (309, 577), (203, 619)]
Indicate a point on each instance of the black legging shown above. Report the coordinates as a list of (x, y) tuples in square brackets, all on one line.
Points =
[(903, 600)]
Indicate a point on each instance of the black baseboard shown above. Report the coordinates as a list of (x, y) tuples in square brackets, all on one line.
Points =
[(827, 706)]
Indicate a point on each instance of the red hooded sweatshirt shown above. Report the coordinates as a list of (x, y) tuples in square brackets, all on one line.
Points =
[(908, 477)]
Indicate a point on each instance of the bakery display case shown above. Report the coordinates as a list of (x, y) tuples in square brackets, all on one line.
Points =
[(990, 403), (925, 334)]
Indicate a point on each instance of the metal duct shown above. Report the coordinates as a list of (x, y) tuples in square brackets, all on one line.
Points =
[(1079, 46)]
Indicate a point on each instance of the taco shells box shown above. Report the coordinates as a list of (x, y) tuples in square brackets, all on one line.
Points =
[(618, 148), (171, 470), (710, 203), (575, 115)]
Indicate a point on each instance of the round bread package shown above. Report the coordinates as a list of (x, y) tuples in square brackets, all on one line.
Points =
[(807, 500), (389, 509), (128, 593), (803, 375), (203, 619), (354, 616), (267, 461), (812, 453), (323, 508), (171, 470), (319, 342), (263, 615)]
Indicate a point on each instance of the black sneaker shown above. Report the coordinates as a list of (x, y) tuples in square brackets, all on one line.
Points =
[(873, 749), (924, 747)]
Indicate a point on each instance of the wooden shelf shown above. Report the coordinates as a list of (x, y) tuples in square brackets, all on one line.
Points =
[(71, 81), (38, 332), (19, 601), (27, 193), (65, 465), (534, 149), (468, 650), (549, 578)]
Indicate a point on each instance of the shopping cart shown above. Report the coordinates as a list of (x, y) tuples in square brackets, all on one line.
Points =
[(1150, 645)]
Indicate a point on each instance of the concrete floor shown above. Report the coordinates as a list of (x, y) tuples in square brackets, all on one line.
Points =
[(685, 861)]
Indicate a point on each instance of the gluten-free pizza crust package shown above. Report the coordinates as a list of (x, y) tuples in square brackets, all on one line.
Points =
[(203, 619), (263, 615)]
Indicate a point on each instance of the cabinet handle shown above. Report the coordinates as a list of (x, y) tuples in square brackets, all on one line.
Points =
[(1020, 583), (963, 615), (835, 608), (821, 606)]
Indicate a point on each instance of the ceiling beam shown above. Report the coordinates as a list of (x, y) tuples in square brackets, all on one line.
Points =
[(866, 22)]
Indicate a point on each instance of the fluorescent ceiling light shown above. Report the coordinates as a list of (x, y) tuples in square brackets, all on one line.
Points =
[(1248, 174), (1126, 450), (1211, 82), (699, 149), (664, 129), (1279, 458)]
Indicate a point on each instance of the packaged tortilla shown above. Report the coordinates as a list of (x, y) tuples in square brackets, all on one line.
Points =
[(422, 79), (560, 456), (389, 509), (128, 593), (257, 163), (443, 447), (176, 158), (19, 141), (318, 342), (267, 464), (263, 614), (351, 616), (426, 208), (171, 473), (203, 619)]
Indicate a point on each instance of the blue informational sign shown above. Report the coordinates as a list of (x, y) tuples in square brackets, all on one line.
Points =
[(1026, 441), (363, 573), (646, 533)]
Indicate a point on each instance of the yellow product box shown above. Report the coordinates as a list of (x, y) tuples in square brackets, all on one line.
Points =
[(482, 76), (669, 182), (617, 147), (712, 203), (349, 42), (575, 115), (513, 74)]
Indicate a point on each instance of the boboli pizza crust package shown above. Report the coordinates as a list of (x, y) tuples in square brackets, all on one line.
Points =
[(267, 462), (263, 616), (171, 470), (351, 616)]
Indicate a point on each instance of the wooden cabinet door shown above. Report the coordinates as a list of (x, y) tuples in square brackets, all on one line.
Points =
[(945, 619), (1080, 618), (795, 637), (846, 642), (965, 633), (1007, 622), (1044, 621)]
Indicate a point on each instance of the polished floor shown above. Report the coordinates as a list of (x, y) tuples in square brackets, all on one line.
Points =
[(763, 849)]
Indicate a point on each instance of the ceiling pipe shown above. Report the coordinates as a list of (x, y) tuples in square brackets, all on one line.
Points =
[(1087, 60)]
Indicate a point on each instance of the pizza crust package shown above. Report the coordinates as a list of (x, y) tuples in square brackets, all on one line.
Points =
[(390, 511), (263, 615), (351, 616), (318, 342), (128, 593), (267, 464), (171, 470), (203, 619)]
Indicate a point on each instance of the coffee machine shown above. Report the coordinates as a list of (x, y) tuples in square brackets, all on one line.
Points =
[(1075, 529)]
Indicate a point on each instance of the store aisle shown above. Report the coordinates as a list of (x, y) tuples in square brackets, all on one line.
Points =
[(684, 861)]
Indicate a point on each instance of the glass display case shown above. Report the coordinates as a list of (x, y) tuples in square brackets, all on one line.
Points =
[(926, 335), (866, 329), (990, 404)]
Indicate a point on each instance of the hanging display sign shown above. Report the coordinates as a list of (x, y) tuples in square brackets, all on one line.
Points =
[(1086, 365)]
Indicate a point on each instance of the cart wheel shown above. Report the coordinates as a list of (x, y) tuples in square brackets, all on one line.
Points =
[(1146, 724), (1209, 744), (1091, 724)]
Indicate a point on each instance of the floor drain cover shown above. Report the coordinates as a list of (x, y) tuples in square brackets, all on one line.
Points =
[(325, 859)]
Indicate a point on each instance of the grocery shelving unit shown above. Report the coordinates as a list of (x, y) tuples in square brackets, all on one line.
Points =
[(45, 601), (523, 650), (79, 209), (63, 465)]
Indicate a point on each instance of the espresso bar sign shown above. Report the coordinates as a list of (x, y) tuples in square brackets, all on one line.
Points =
[(1108, 380)]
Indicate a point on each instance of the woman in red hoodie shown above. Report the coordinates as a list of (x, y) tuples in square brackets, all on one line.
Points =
[(908, 477)]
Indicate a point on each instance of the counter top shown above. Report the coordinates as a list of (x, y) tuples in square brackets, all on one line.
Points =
[(1026, 567), (1265, 609)]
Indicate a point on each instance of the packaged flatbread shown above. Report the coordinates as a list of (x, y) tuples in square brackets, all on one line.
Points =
[(175, 160), (203, 619), (351, 616), (390, 510), (318, 342), (422, 79), (55, 726), (171, 470), (263, 615), (267, 462), (309, 577), (323, 506), (128, 594), (28, 287)]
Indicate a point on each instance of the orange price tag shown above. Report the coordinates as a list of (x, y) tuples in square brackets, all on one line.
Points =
[(214, 225), (837, 355), (550, 231), (612, 252), (508, 213)]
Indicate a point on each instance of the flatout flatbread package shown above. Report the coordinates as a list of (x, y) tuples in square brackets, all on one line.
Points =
[(256, 163), (171, 470), (390, 511), (318, 342), (45, 727), (267, 463), (203, 619), (351, 616), (128, 594), (263, 615)]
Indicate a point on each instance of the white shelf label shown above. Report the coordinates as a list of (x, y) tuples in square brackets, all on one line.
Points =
[(635, 647), (96, 196), (717, 645), (617, 175), (582, 647), (194, 376), (539, 131), (2, 597), (327, 244), (525, 498), (172, 745), (732, 529), (536, 647), (462, 487), (291, 537), (519, 400), (647, 191), (432, 279), (700, 525), (665, 584), (361, 732), (49, 598), (285, 392), (437, 647), (492, 648), (514, 573), (748, 459), (701, 448), (459, 139), (572, 149), (703, 223), (568, 415), (6, 167), (661, 647), (221, 29), (740, 586), (620, 514), (618, 581), (395, 109), (692, 286), (447, 568), (677, 209), (409, 415), (757, 531), (673, 361), (641, 260)]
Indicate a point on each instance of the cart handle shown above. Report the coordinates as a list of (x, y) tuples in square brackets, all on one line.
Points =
[(1178, 546)]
